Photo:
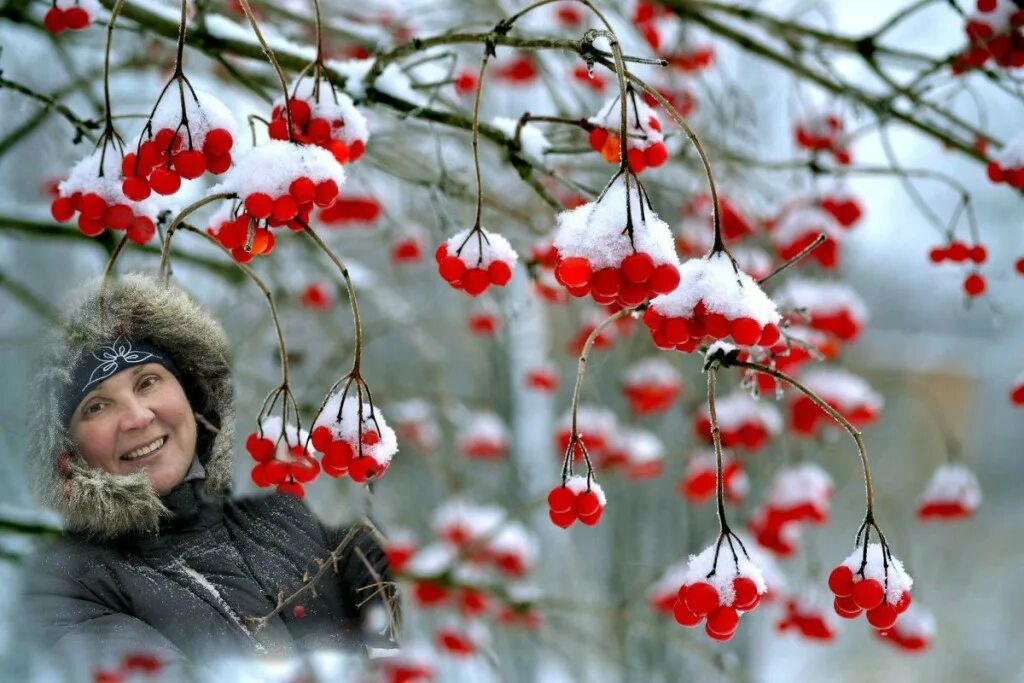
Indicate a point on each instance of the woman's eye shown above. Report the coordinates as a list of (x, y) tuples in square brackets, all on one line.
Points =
[(93, 408), (148, 381)]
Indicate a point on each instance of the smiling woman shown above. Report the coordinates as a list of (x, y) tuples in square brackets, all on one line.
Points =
[(133, 443)]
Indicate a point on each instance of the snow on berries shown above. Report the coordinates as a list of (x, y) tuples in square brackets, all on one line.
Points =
[(579, 498), (95, 195), (596, 427), (475, 259), (831, 307), (798, 494), (651, 385), (663, 593), (636, 452), (462, 523), (993, 32), (353, 438), (512, 550), (645, 143), (482, 436), (613, 253), (913, 631), (823, 131), (871, 581), (743, 421), (1007, 166), (715, 301), (282, 458), (798, 228), (699, 483), (71, 15), (952, 493), (185, 138), (721, 583), (321, 116), (848, 394), (686, 50), (807, 615), (277, 184), (415, 423), (543, 378)]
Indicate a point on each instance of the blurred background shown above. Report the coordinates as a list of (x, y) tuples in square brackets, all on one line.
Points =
[(944, 363)]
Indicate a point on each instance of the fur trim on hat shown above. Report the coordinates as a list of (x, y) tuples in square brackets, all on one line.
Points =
[(138, 306)]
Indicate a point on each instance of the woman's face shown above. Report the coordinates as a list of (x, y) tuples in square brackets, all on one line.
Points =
[(139, 419)]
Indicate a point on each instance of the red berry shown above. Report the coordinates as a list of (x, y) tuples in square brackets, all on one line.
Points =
[(636, 160), (716, 325), (261, 450), (747, 596), (561, 499), (723, 621), (937, 254), (868, 594), (319, 131), (563, 520), (587, 503), (92, 206), (141, 230), (957, 252), (656, 154), (903, 603), (499, 273), (363, 469), (701, 598), (54, 20), (278, 129), (1019, 266), (299, 111), (974, 285), (284, 208), (326, 193), (846, 607), (605, 282), (303, 189), (882, 617), (475, 281), (573, 272), (76, 18), (190, 164), (770, 335), (90, 227), (684, 615), (677, 331), (840, 581), (356, 150), (62, 209), (259, 205), (321, 438), (452, 269), (978, 254), (135, 188), (745, 331), (593, 519), (298, 611), (598, 137), (637, 268), (118, 216), (291, 488), (665, 279), (218, 143), (165, 181)]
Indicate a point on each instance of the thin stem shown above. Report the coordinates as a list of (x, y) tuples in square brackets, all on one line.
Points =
[(803, 252), (82, 126), (475, 139), (273, 60), (114, 12), (356, 322), (716, 437), (165, 254)]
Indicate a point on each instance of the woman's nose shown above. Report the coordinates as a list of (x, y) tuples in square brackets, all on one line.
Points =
[(136, 415)]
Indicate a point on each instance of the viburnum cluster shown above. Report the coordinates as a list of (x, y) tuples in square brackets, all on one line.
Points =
[(952, 494), (796, 229), (183, 139), (848, 394), (353, 438), (614, 252), (578, 498), (701, 478), (842, 205), (408, 248), (277, 185), (489, 536), (482, 435), (806, 615), (716, 301), (721, 584), (415, 423), (597, 426), (832, 307), (70, 15), (824, 131), (696, 229), (798, 346), (638, 453), (475, 259), (321, 116), (93, 191), (959, 252), (743, 421), (683, 48), (645, 143), (871, 580), (282, 457), (993, 32), (651, 386), (798, 494), (1007, 166)]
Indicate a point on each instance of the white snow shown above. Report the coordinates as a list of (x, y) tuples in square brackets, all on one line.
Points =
[(578, 484), (842, 389), (953, 482), (271, 168), (898, 580), (723, 290), (651, 371), (272, 429), (348, 428), (726, 570), (738, 408), (84, 177), (534, 143), (209, 113), (481, 252), (482, 426)]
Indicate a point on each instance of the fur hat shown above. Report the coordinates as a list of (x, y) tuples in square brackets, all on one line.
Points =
[(95, 502)]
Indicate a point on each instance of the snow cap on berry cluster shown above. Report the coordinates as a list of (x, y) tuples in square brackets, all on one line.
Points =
[(703, 564), (639, 446), (738, 408), (578, 484), (514, 539), (272, 429), (91, 7), (953, 482), (821, 297), (819, 123), (349, 430), (1012, 154), (591, 421), (638, 115), (596, 230), (899, 580), (204, 115), (723, 290), (482, 425), (705, 460), (800, 222), (472, 519), (842, 389), (273, 166), (481, 252), (84, 177), (332, 106), (798, 484), (531, 137), (431, 560), (654, 370)]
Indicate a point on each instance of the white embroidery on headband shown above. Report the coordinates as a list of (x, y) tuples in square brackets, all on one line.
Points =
[(119, 350)]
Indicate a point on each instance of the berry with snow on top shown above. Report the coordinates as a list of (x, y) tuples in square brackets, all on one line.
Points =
[(400, 547), (404, 667), (483, 323), (733, 218), (94, 193), (353, 438), (407, 249), (993, 32), (798, 228), (871, 580), (848, 394), (281, 457), (831, 307), (475, 259), (1017, 391), (913, 632), (317, 296), (512, 550), (543, 378), (415, 423), (185, 138), (781, 539), (807, 615), (743, 421), (595, 426), (720, 584), (70, 15), (614, 251), (716, 301), (323, 117), (952, 494), (651, 385), (1008, 165), (842, 205), (482, 436), (636, 452), (799, 493), (645, 143), (578, 498), (701, 478), (462, 523), (823, 131)]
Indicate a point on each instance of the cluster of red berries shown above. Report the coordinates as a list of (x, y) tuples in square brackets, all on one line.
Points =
[(610, 148), (854, 596), (847, 394), (317, 296), (361, 210), (341, 456), (132, 664), (483, 324), (952, 493), (69, 15), (960, 252), (288, 468), (751, 433), (164, 161), (805, 619), (636, 279), (700, 601), (1011, 175), (652, 21), (846, 210), (543, 379), (95, 214), (519, 69), (699, 483), (472, 267), (994, 33), (649, 398), (799, 494), (309, 129), (685, 334), (823, 133), (579, 498)]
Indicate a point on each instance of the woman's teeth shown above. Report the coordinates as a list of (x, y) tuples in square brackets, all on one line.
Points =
[(145, 450)]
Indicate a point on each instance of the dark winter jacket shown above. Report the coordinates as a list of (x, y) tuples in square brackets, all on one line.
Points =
[(184, 575)]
